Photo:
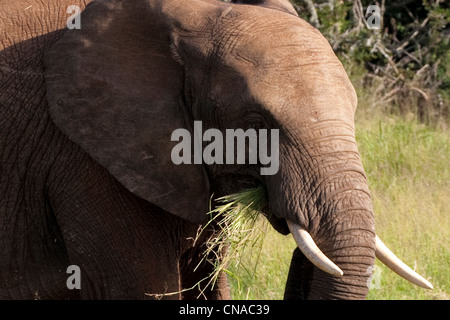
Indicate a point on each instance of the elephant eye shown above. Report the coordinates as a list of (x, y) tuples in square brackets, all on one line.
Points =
[(255, 120), (256, 125)]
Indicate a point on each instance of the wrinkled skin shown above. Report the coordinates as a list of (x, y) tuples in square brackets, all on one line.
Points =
[(86, 117)]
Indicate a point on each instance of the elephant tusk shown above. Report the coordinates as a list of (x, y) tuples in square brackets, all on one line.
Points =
[(309, 248), (395, 264)]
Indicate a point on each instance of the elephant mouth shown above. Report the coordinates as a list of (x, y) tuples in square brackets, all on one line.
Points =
[(279, 224)]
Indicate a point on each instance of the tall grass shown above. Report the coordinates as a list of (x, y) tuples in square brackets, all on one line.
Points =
[(407, 165)]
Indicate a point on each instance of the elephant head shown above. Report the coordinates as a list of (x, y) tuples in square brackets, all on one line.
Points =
[(138, 70)]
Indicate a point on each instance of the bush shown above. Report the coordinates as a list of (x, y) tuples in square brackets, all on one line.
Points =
[(406, 62)]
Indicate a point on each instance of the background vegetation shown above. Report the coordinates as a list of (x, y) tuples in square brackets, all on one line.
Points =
[(405, 65), (402, 77)]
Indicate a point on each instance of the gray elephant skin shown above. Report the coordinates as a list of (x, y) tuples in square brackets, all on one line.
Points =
[(86, 117)]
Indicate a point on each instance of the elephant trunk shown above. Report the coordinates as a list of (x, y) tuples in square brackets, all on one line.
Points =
[(331, 207), (346, 237), (331, 218)]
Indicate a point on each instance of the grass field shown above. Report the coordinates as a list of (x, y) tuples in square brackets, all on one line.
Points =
[(407, 165)]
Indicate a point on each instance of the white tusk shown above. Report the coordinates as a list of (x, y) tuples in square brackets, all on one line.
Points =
[(309, 248), (395, 264)]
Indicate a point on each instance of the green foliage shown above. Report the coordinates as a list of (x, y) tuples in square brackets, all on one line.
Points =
[(396, 147), (407, 61), (235, 219)]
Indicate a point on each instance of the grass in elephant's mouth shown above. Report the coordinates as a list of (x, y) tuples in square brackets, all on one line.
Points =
[(235, 219)]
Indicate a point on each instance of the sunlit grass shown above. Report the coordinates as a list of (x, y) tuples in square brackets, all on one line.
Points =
[(407, 165), (267, 278)]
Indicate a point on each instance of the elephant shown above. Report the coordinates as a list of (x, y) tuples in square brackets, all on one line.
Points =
[(86, 175)]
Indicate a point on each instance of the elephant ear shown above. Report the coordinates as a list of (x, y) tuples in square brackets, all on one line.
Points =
[(115, 89), (281, 5)]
